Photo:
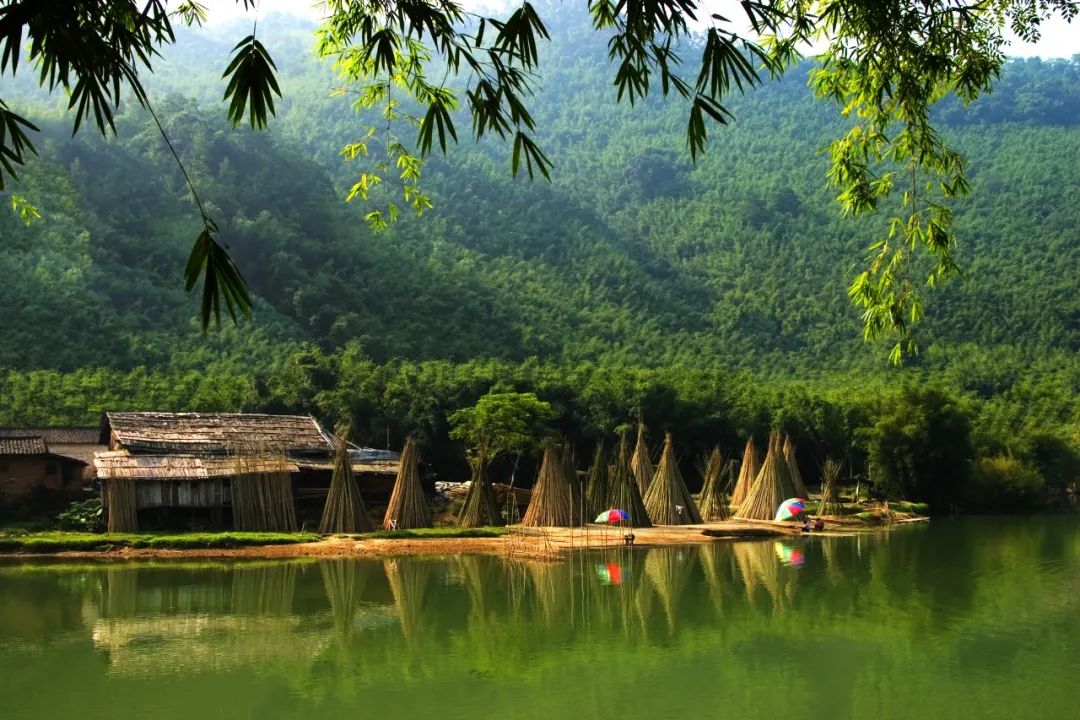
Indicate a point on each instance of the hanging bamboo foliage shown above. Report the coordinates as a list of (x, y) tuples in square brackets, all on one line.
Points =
[(408, 506), (262, 496), (748, 472), (122, 500), (551, 504), (345, 511), (596, 484), (668, 501), (624, 489), (797, 484), (712, 502), (641, 466), (481, 508), (830, 495), (771, 487)]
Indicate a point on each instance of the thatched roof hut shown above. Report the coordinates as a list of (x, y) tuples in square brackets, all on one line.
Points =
[(408, 507), (552, 503), (668, 501), (748, 472), (712, 501), (641, 466), (772, 486), (624, 489)]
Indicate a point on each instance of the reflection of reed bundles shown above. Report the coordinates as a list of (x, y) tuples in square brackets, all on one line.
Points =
[(760, 569), (344, 581), (479, 576), (713, 557), (553, 588), (668, 570), (748, 472), (408, 578), (121, 593), (264, 589)]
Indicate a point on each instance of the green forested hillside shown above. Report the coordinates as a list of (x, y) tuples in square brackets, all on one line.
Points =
[(631, 256)]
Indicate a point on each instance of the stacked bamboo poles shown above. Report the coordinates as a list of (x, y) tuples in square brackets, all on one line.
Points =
[(771, 487), (122, 500), (481, 508), (668, 502), (712, 502), (408, 506), (641, 466), (830, 497), (748, 472), (797, 484), (596, 484), (262, 496), (625, 495), (345, 511), (551, 504)]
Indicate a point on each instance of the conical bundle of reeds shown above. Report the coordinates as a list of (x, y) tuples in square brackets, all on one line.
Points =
[(121, 498), (596, 484), (668, 502), (551, 504), (481, 508), (577, 490), (641, 466), (797, 484), (345, 511), (712, 502), (771, 487), (408, 506), (262, 493), (624, 490), (748, 472), (830, 494)]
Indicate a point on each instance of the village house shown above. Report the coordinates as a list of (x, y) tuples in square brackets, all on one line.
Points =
[(190, 469), (32, 471)]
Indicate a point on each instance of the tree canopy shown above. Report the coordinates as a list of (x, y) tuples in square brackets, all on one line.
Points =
[(884, 64)]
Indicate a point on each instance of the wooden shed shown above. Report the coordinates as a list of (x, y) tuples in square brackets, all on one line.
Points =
[(29, 466), (185, 466)]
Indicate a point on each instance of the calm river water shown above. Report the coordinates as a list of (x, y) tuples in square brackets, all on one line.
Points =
[(972, 618)]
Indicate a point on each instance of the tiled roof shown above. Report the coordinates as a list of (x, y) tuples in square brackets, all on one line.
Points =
[(56, 435), (27, 445)]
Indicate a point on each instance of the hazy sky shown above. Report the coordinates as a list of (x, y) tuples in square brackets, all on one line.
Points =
[(1059, 40)]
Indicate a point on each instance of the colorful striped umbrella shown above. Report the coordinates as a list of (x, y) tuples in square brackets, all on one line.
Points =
[(790, 508), (612, 516)]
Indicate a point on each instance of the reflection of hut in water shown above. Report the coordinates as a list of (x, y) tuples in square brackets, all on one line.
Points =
[(408, 578)]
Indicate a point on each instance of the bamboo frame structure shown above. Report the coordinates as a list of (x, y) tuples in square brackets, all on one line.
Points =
[(481, 507), (408, 507), (712, 501), (668, 501), (121, 498), (641, 466), (551, 504), (345, 510), (797, 484), (624, 489), (830, 497), (748, 472), (771, 487)]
